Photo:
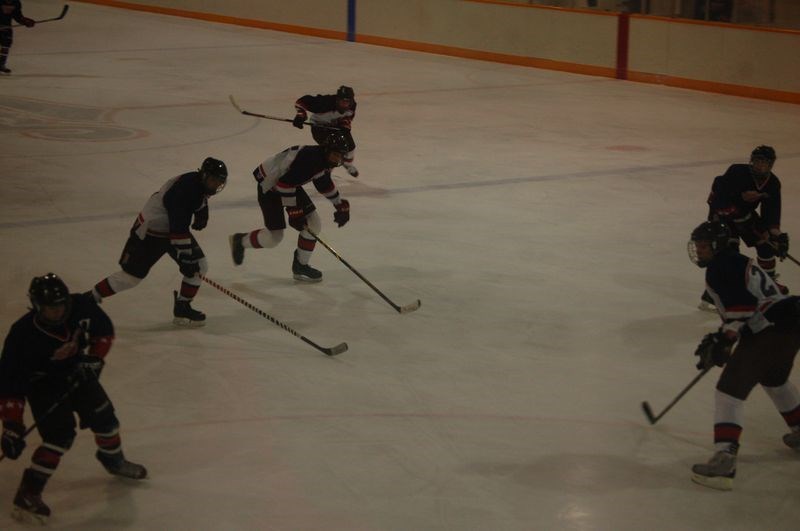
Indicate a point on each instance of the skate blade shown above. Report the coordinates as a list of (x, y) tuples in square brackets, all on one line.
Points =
[(717, 482), (706, 307), (187, 323), (309, 280), (26, 517)]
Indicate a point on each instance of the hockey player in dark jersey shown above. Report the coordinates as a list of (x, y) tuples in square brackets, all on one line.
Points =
[(10, 10), (736, 199), (162, 227), (331, 110), (280, 181), (52, 358), (764, 326)]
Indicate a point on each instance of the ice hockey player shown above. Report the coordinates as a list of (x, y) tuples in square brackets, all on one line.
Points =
[(52, 358), (162, 227), (10, 10), (327, 112), (280, 181), (736, 199), (764, 325)]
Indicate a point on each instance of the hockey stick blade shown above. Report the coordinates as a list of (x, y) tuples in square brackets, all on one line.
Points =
[(338, 349), (408, 308), (63, 12), (59, 17), (648, 413)]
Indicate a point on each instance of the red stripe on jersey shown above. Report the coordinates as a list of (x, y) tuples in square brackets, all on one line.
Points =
[(99, 346), (12, 409), (104, 288)]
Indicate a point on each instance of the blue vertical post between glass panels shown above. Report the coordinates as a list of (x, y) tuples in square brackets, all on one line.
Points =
[(351, 20)]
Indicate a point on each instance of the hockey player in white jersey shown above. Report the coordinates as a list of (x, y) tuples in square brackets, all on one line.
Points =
[(280, 181), (764, 325), (163, 227)]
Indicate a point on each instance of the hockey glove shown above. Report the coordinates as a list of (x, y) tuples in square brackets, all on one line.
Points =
[(88, 368), (781, 244), (28, 22), (13, 442), (298, 121), (342, 214), (714, 349), (187, 263), (297, 218), (200, 219)]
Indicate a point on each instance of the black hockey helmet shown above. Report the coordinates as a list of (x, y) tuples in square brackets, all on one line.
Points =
[(345, 92), (716, 233), (338, 141), (214, 168), (49, 290), (763, 153)]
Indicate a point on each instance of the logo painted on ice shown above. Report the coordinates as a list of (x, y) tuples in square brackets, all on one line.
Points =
[(48, 120)]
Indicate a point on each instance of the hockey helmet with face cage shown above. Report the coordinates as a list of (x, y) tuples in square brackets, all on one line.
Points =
[(216, 169), (716, 234), (49, 290)]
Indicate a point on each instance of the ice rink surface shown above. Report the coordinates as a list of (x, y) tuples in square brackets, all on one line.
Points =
[(541, 217)]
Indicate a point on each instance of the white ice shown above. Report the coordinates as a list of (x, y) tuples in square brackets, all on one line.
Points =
[(541, 217)]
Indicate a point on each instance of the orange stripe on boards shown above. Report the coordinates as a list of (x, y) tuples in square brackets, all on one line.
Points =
[(719, 88), (211, 17), (467, 53)]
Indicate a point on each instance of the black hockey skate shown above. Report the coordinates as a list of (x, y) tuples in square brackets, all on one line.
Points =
[(237, 249), (117, 465), (719, 472), (185, 315), (304, 272), (792, 440), (28, 504)]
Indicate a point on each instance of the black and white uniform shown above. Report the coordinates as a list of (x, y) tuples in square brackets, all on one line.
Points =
[(37, 365), (727, 205), (280, 181), (767, 323), (323, 111), (163, 227)]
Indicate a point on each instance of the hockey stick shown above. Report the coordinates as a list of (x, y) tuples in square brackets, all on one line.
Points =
[(648, 412), (59, 17), (329, 351), (278, 118), (75, 384), (400, 309)]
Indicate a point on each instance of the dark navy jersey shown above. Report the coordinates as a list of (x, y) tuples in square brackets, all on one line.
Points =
[(743, 292), (726, 200), (324, 112), (294, 167), (10, 10), (32, 350)]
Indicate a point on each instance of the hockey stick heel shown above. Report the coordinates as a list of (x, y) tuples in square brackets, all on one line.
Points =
[(648, 413)]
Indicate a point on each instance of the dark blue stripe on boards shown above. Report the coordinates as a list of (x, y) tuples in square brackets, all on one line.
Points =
[(351, 20)]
